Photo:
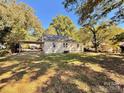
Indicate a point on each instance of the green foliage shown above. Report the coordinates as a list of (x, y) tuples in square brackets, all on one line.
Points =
[(83, 36), (106, 35), (119, 37), (117, 34), (4, 53), (16, 21), (51, 30), (5, 23), (92, 14), (62, 25), (96, 9)]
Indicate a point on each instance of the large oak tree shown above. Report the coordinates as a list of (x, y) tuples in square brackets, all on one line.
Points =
[(95, 15)]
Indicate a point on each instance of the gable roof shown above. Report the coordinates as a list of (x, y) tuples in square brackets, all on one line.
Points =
[(57, 38)]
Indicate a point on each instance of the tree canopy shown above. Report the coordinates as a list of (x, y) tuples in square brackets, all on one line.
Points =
[(17, 20), (63, 25), (119, 37), (93, 15), (96, 9)]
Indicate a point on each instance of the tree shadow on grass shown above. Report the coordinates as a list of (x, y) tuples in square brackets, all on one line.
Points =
[(24, 66), (110, 63), (39, 64), (96, 82), (57, 85)]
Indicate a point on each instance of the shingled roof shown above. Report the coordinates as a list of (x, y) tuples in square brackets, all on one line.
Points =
[(56, 38)]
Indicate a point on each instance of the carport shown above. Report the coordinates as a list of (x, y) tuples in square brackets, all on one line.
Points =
[(30, 42)]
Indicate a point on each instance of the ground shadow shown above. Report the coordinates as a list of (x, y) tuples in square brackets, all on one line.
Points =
[(69, 78)]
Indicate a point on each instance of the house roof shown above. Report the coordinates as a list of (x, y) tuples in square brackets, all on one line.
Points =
[(57, 38), (31, 42)]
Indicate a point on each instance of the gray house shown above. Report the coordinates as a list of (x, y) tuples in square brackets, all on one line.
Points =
[(60, 44)]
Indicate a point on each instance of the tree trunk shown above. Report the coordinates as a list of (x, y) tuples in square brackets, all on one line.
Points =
[(96, 48), (95, 42), (94, 32)]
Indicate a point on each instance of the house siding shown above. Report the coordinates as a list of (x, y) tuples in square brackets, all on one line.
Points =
[(59, 47)]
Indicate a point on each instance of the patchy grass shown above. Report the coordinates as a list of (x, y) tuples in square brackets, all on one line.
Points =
[(62, 73)]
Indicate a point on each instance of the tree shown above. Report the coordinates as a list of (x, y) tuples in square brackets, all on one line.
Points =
[(97, 37), (113, 33), (96, 8), (17, 20), (83, 36), (5, 26), (92, 14), (63, 25), (51, 30), (119, 37), (7, 1)]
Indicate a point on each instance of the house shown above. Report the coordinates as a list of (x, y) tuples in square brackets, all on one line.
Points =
[(60, 44)]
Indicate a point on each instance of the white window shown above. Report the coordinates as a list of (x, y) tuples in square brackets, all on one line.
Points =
[(54, 45), (65, 45)]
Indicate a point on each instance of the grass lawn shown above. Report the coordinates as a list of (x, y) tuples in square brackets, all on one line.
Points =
[(62, 73)]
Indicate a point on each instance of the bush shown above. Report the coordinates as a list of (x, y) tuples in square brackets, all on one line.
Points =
[(4, 52)]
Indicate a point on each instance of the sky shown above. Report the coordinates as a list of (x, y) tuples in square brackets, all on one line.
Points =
[(46, 10)]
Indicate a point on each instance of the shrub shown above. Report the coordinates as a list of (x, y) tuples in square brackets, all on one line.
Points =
[(4, 52)]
